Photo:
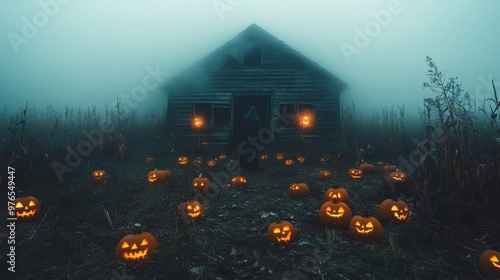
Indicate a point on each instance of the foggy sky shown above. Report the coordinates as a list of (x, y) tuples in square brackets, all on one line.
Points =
[(92, 52)]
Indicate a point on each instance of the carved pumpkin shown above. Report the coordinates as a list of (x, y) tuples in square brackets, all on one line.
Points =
[(289, 162), (264, 157), (389, 168), (149, 160), (239, 181), (136, 246), (355, 173), (198, 161), (282, 232), (204, 143), (380, 163), (394, 210), (190, 209), (182, 160), (99, 175), (159, 176), (222, 157), (301, 159), (26, 208), (366, 229), (367, 167), (211, 163), (335, 214), (305, 120), (339, 194), (489, 263), (299, 190), (198, 122), (397, 177), (323, 175), (280, 156), (201, 183)]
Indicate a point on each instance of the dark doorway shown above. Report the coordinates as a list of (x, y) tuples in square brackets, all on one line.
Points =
[(241, 105)]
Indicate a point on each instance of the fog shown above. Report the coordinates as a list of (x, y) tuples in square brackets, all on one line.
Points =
[(84, 53)]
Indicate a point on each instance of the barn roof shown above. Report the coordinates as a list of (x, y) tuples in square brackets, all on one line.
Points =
[(252, 31)]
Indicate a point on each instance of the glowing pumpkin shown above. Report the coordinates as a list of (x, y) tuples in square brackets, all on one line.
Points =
[(201, 183), (299, 190), (366, 229), (182, 160), (323, 175), (264, 157), (335, 214), (190, 209), (280, 156), (159, 176), (239, 181), (198, 161), (305, 120), (136, 246), (99, 175), (339, 194), (211, 163), (394, 210), (397, 177), (489, 263), (380, 163), (26, 208), (289, 162), (301, 159), (198, 122), (149, 160), (282, 232), (355, 173), (222, 157), (366, 167), (389, 168)]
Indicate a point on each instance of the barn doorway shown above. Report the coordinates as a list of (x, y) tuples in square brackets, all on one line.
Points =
[(241, 105)]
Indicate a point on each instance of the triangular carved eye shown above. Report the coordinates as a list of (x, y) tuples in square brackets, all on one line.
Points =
[(144, 242), (32, 203), (189, 207), (125, 245), (277, 230), (494, 258), (369, 225), (394, 208), (328, 209), (19, 205), (286, 228), (195, 184), (341, 209), (202, 184), (358, 223)]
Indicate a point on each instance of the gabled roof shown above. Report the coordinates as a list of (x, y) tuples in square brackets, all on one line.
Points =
[(255, 31)]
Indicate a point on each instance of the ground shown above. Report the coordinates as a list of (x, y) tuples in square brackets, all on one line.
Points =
[(82, 221)]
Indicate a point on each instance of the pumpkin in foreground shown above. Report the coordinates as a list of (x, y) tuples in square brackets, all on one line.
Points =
[(136, 246), (281, 232)]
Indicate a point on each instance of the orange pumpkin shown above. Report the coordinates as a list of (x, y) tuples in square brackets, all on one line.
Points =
[(239, 181), (380, 163), (389, 168), (136, 246), (339, 194), (489, 263), (149, 160), (323, 175), (394, 210), (397, 177), (222, 157), (367, 167), (99, 175), (289, 162), (264, 157), (190, 210), (282, 232), (26, 208), (182, 160), (280, 156), (198, 161), (299, 190), (355, 173), (201, 183), (366, 229), (301, 159), (211, 163), (335, 214), (158, 176)]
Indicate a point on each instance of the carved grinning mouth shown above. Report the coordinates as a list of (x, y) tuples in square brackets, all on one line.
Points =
[(494, 261), (285, 238), (26, 213), (135, 255), (400, 216)]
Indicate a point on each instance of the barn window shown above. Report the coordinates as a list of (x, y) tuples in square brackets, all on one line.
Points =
[(222, 116), (253, 56), (204, 110), (305, 115), (287, 112)]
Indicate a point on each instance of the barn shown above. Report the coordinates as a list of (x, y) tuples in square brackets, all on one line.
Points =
[(291, 93)]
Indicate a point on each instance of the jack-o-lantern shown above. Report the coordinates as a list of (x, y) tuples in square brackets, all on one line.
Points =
[(397, 177), (289, 162), (198, 122), (150, 160), (182, 160), (222, 157), (264, 157), (335, 214), (211, 163), (204, 143), (355, 173), (201, 183), (380, 163), (389, 168), (282, 232), (366, 229), (323, 175), (198, 161), (299, 190), (366, 167), (394, 210), (159, 176), (136, 246), (190, 210), (280, 156), (99, 175), (339, 194), (301, 159), (26, 208), (305, 120), (489, 263), (238, 181)]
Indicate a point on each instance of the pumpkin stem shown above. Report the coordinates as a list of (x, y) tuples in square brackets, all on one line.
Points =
[(137, 228), (201, 175)]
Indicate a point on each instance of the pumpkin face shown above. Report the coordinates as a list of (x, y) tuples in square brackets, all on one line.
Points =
[(367, 168), (379, 163), (489, 263), (201, 183), (158, 176), (338, 194), (26, 208), (149, 160), (238, 181), (99, 175), (191, 209), (337, 215), (264, 157), (211, 163), (324, 175), (366, 229), (280, 156), (182, 160), (137, 246), (299, 190), (355, 173), (393, 210), (301, 159), (198, 122), (397, 177), (222, 157), (198, 161), (389, 168), (289, 162), (282, 232)]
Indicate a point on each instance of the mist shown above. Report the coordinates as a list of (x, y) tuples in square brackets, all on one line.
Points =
[(85, 53)]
